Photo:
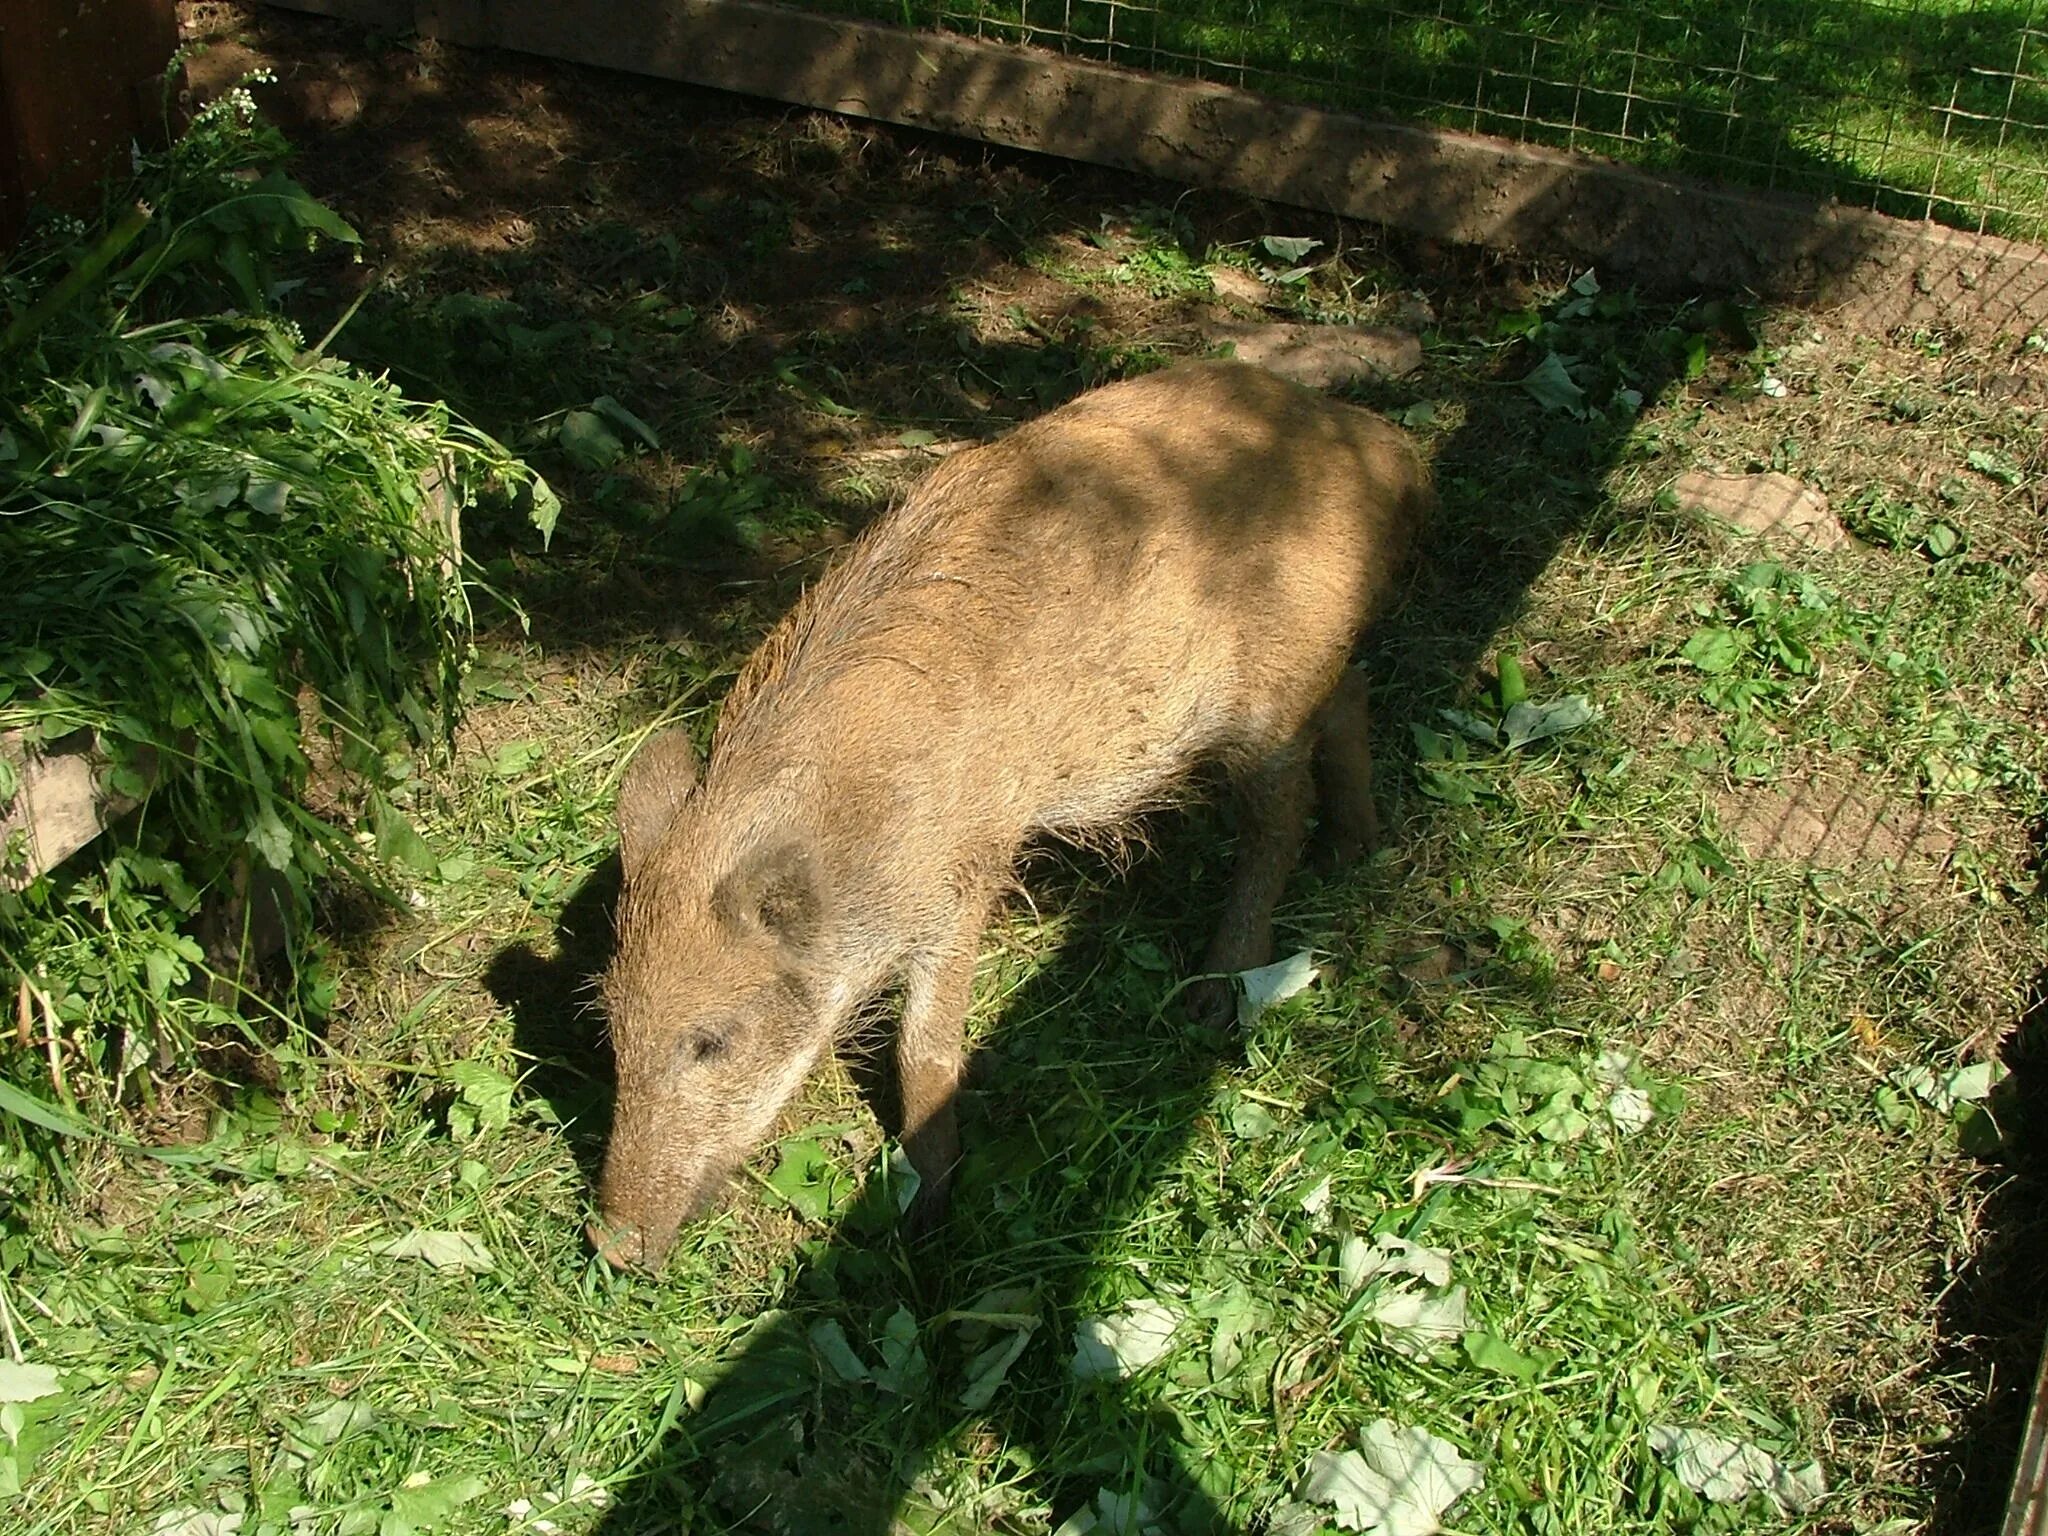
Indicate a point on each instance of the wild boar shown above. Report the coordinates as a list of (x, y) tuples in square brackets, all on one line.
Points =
[(1045, 637)]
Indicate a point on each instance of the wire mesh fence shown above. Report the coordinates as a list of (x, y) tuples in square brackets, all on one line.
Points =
[(1931, 109)]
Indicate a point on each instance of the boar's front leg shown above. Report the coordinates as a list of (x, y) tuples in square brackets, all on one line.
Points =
[(1275, 797), (930, 1052)]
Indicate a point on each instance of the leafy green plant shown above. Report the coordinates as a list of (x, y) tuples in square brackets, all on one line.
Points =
[(231, 554)]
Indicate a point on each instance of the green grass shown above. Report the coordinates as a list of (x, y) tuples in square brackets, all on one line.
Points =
[(1924, 109), (1796, 1251)]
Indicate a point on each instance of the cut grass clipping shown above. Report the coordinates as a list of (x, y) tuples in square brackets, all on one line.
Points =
[(216, 537)]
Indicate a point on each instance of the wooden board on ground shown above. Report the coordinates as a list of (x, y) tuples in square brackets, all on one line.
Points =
[(60, 804), (1877, 272), (2027, 1513)]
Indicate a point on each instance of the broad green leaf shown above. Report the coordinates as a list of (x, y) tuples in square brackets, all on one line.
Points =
[(1288, 247), (420, 1506), (828, 1338), (1358, 1261), (625, 420), (1399, 1482), (485, 1090), (986, 1370), (1251, 1121), (588, 442), (1493, 1354), (1263, 986), (23, 1381), (443, 1250), (546, 511), (400, 843), (1417, 1322), (514, 758), (1630, 1110), (1550, 385), (807, 1178), (1713, 650), (1529, 721), (1118, 1345), (903, 1369), (1237, 1316), (271, 839), (1999, 469), (1725, 1471)]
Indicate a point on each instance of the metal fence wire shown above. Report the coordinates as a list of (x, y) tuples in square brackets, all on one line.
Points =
[(1932, 109)]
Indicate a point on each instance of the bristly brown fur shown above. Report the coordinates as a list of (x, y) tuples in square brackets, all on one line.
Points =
[(1049, 635)]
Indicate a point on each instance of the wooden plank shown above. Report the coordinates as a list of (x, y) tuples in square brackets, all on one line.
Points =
[(1458, 187), (60, 804), (79, 80), (2027, 1512)]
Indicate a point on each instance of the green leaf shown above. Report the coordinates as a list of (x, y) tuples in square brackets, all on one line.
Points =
[(1451, 786), (985, 1372), (399, 843), (486, 1090), (1288, 247), (1550, 385), (1942, 540), (1416, 1322), (1263, 986), (588, 442), (547, 509), (1528, 722), (828, 1338), (1978, 1133), (1399, 1482), (808, 1179), (1358, 1261), (23, 1381), (26, 1106), (1251, 1120), (1997, 468), (420, 1506), (514, 758), (625, 421), (209, 1274), (1725, 1471), (271, 839), (903, 1367), (1237, 1317), (444, 1250), (1491, 1353), (1119, 1344), (1514, 686), (1713, 650)]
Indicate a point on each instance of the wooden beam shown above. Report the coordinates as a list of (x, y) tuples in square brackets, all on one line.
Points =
[(2026, 1512), (60, 804), (1464, 188)]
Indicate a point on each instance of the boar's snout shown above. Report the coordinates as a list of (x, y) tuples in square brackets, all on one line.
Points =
[(620, 1247)]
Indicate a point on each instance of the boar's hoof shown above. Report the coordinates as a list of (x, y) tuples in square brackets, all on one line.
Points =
[(1211, 1002), (927, 1212)]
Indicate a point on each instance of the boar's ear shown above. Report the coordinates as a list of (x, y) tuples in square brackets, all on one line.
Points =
[(778, 889), (662, 774)]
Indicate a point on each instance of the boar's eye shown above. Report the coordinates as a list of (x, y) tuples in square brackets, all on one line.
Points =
[(703, 1045)]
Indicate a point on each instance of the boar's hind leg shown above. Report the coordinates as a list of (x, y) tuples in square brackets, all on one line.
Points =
[(1350, 823), (930, 1049), (1275, 796)]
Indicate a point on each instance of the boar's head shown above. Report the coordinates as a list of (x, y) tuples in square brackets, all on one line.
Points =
[(716, 1005)]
